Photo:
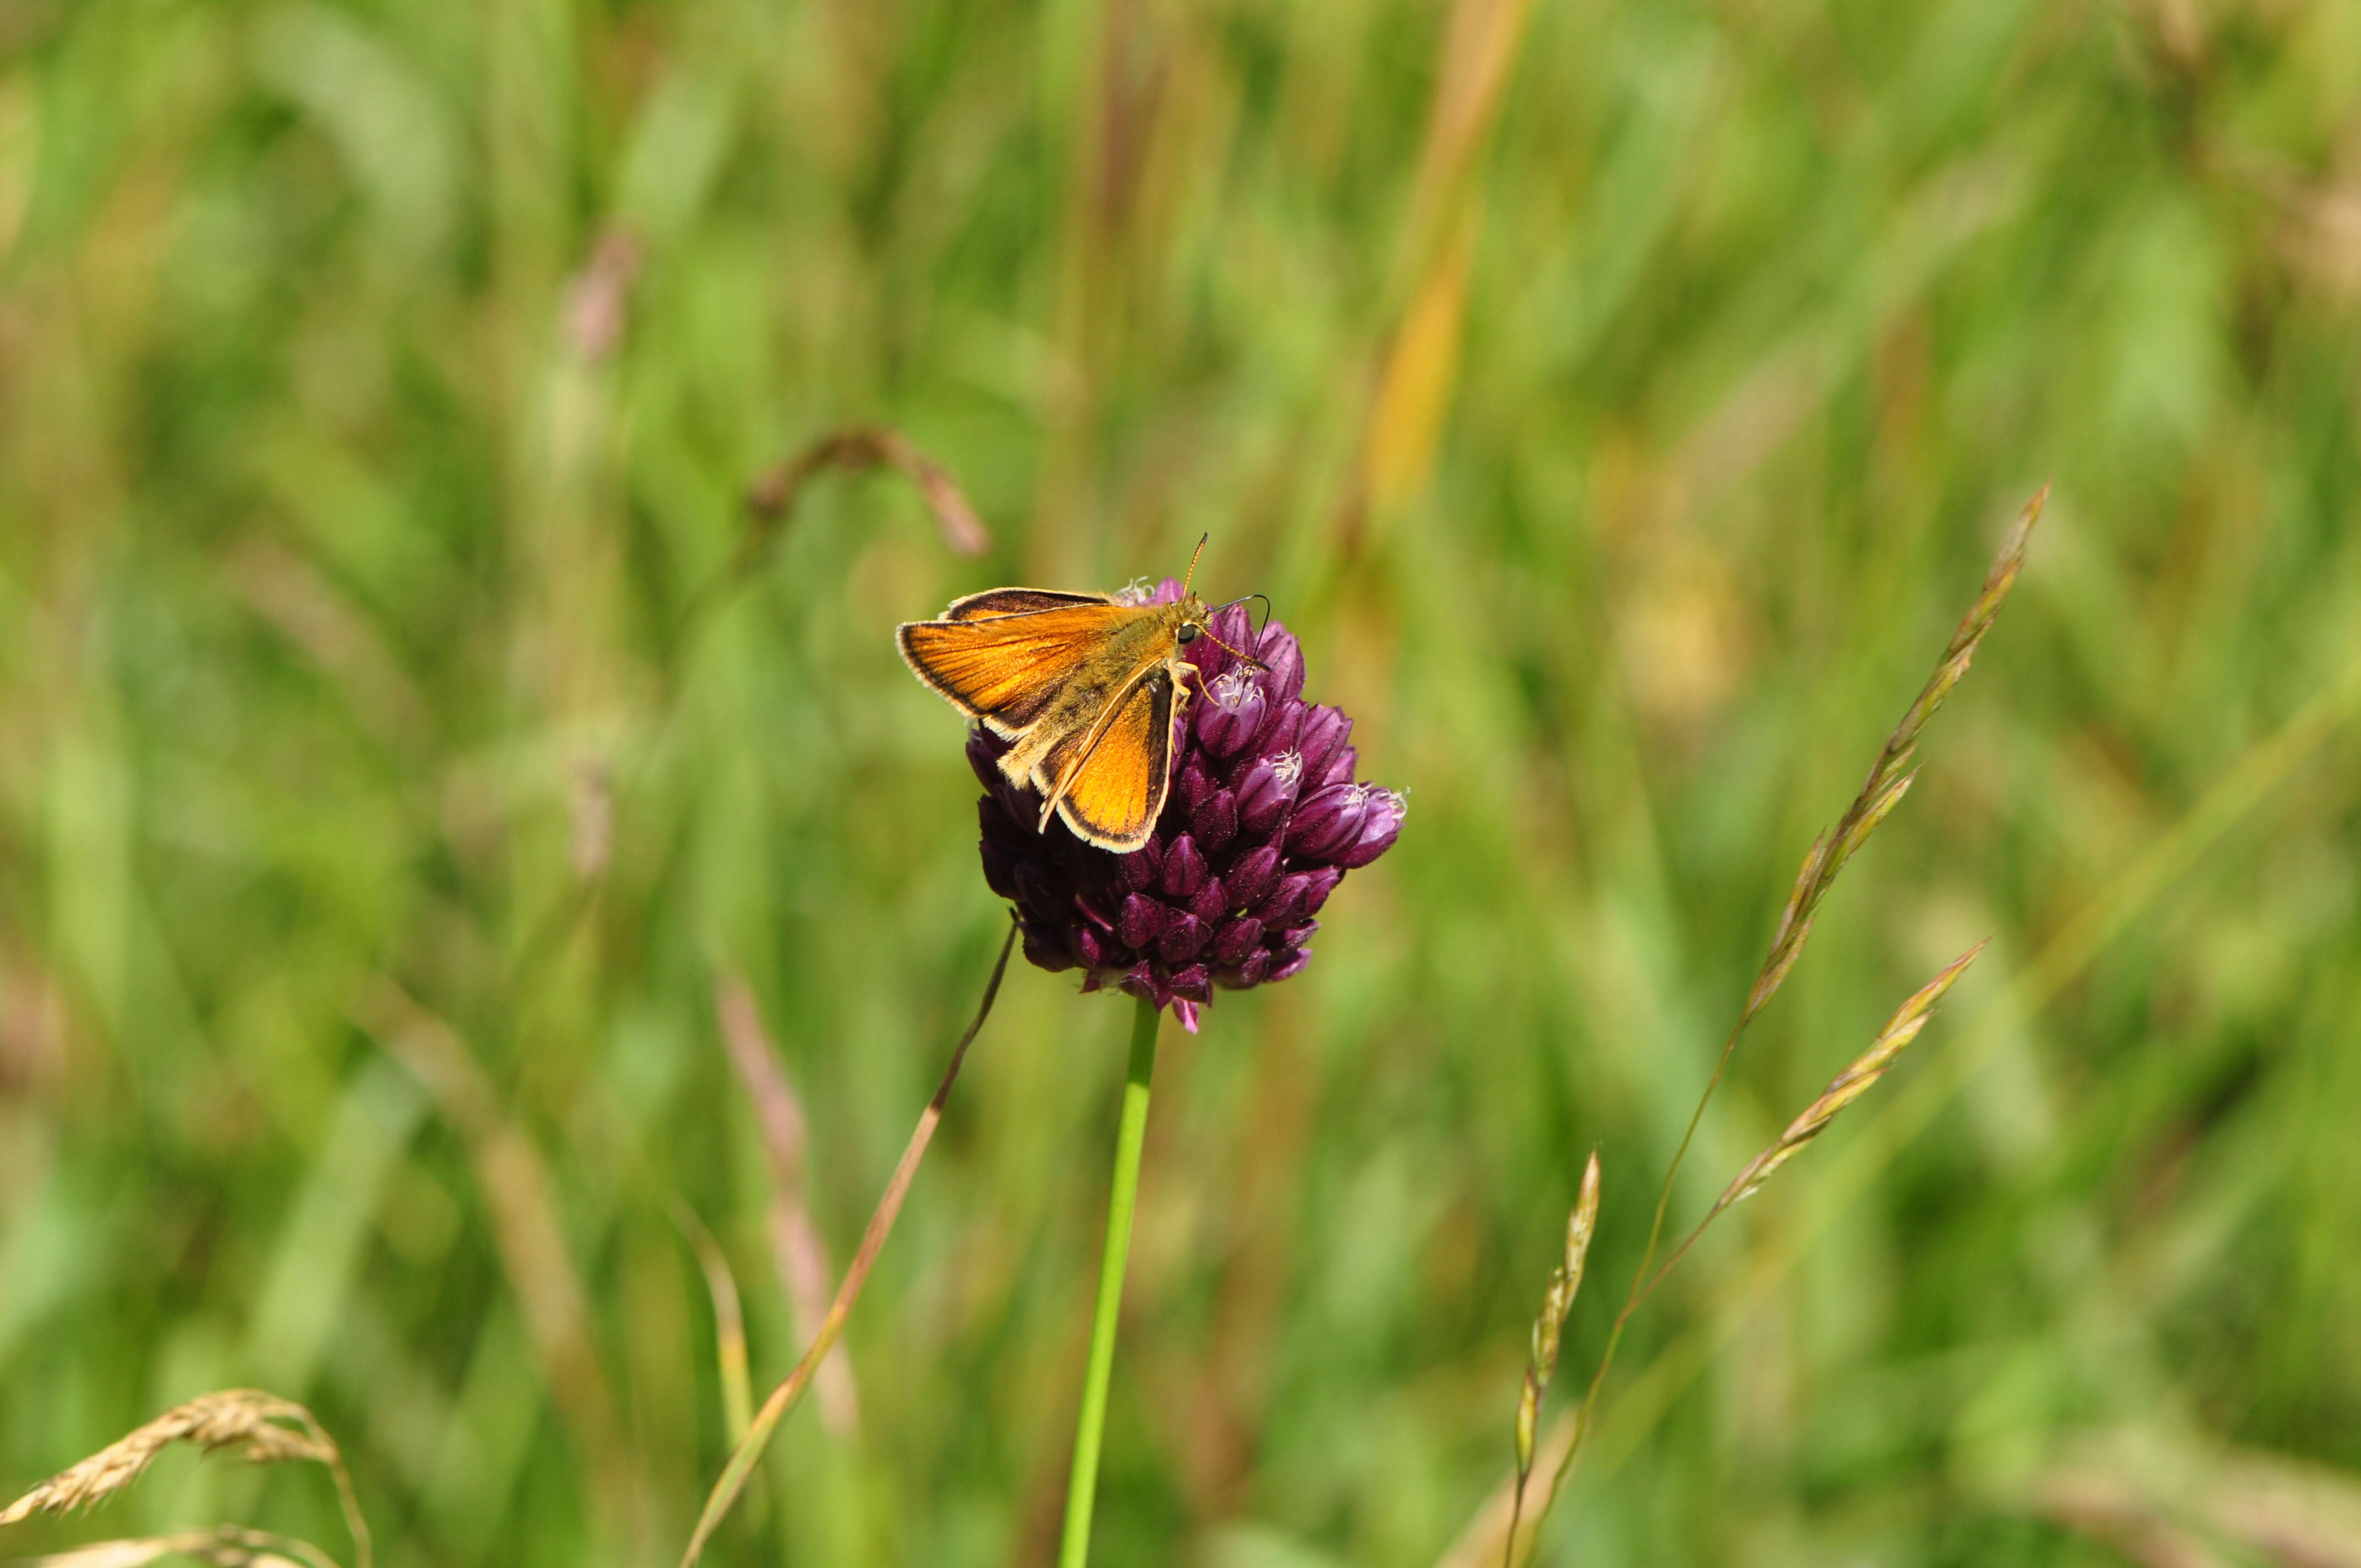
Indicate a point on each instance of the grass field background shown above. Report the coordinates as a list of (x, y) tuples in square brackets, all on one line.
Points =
[(1622, 402)]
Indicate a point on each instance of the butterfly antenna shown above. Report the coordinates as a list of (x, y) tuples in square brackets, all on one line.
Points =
[(1266, 611), (1241, 656), (1192, 574)]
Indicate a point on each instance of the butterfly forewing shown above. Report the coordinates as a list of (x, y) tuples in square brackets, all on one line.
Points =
[(1006, 669), (1115, 774)]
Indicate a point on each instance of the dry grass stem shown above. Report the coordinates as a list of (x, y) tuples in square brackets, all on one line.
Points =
[(243, 1418), (2166, 1497), (1564, 1283), (2106, 1510), (1842, 1091), (772, 498), (783, 1398), (1849, 1085), (263, 1428), (1889, 780), (1481, 1544), (798, 1250)]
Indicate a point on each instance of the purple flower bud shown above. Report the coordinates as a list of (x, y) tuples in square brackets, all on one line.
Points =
[(1285, 900), (1252, 878), (1230, 714), (1267, 790), (1184, 868), (1340, 766), (1318, 884), (1138, 868), (1234, 626), (1216, 821), (1183, 935), (1192, 984), (983, 759), (1235, 939), (1252, 969), (1000, 862), (1040, 890), (1322, 736), (1327, 821), (1140, 922), (1091, 948), (1289, 965), (1281, 732), (1380, 828), (1043, 950), (1191, 787), (1284, 657), (1213, 902)]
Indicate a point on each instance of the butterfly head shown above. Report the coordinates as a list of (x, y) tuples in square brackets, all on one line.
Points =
[(1193, 618)]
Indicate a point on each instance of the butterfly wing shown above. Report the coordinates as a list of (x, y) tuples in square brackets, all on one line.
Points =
[(1108, 779), (995, 603), (1006, 668)]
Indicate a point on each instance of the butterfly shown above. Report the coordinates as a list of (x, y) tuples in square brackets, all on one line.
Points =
[(1088, 687)]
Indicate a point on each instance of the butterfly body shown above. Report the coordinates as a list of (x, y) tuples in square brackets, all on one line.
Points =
[(1089, 688)]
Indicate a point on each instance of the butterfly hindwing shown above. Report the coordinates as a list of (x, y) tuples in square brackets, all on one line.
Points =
[(1109, 781)]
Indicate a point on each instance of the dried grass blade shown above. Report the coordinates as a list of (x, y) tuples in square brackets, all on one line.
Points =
[(796, 1250), (749, 1450)]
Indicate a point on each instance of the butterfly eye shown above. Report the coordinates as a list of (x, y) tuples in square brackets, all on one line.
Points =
[(1188, 633)]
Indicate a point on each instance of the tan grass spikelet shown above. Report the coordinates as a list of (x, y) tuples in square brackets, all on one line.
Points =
[(1890, 776), (1557, 1301), (1889, 780), (235, 1418), (1847, 1086), (263, 1428)]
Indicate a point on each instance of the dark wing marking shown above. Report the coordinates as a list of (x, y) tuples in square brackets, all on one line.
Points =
[(994, 603)]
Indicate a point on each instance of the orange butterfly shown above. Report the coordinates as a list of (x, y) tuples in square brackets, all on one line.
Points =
[(1088, 686)]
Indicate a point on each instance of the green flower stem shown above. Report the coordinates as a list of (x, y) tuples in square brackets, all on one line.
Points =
[(1082, 1487)]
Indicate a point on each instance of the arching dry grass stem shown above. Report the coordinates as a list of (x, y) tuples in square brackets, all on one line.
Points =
[(263, 1428)]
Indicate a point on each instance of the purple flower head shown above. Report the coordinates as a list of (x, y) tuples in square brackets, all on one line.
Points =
[(1263, 819)]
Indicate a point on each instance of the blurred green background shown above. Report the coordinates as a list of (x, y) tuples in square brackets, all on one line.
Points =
[(1621, 399)]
